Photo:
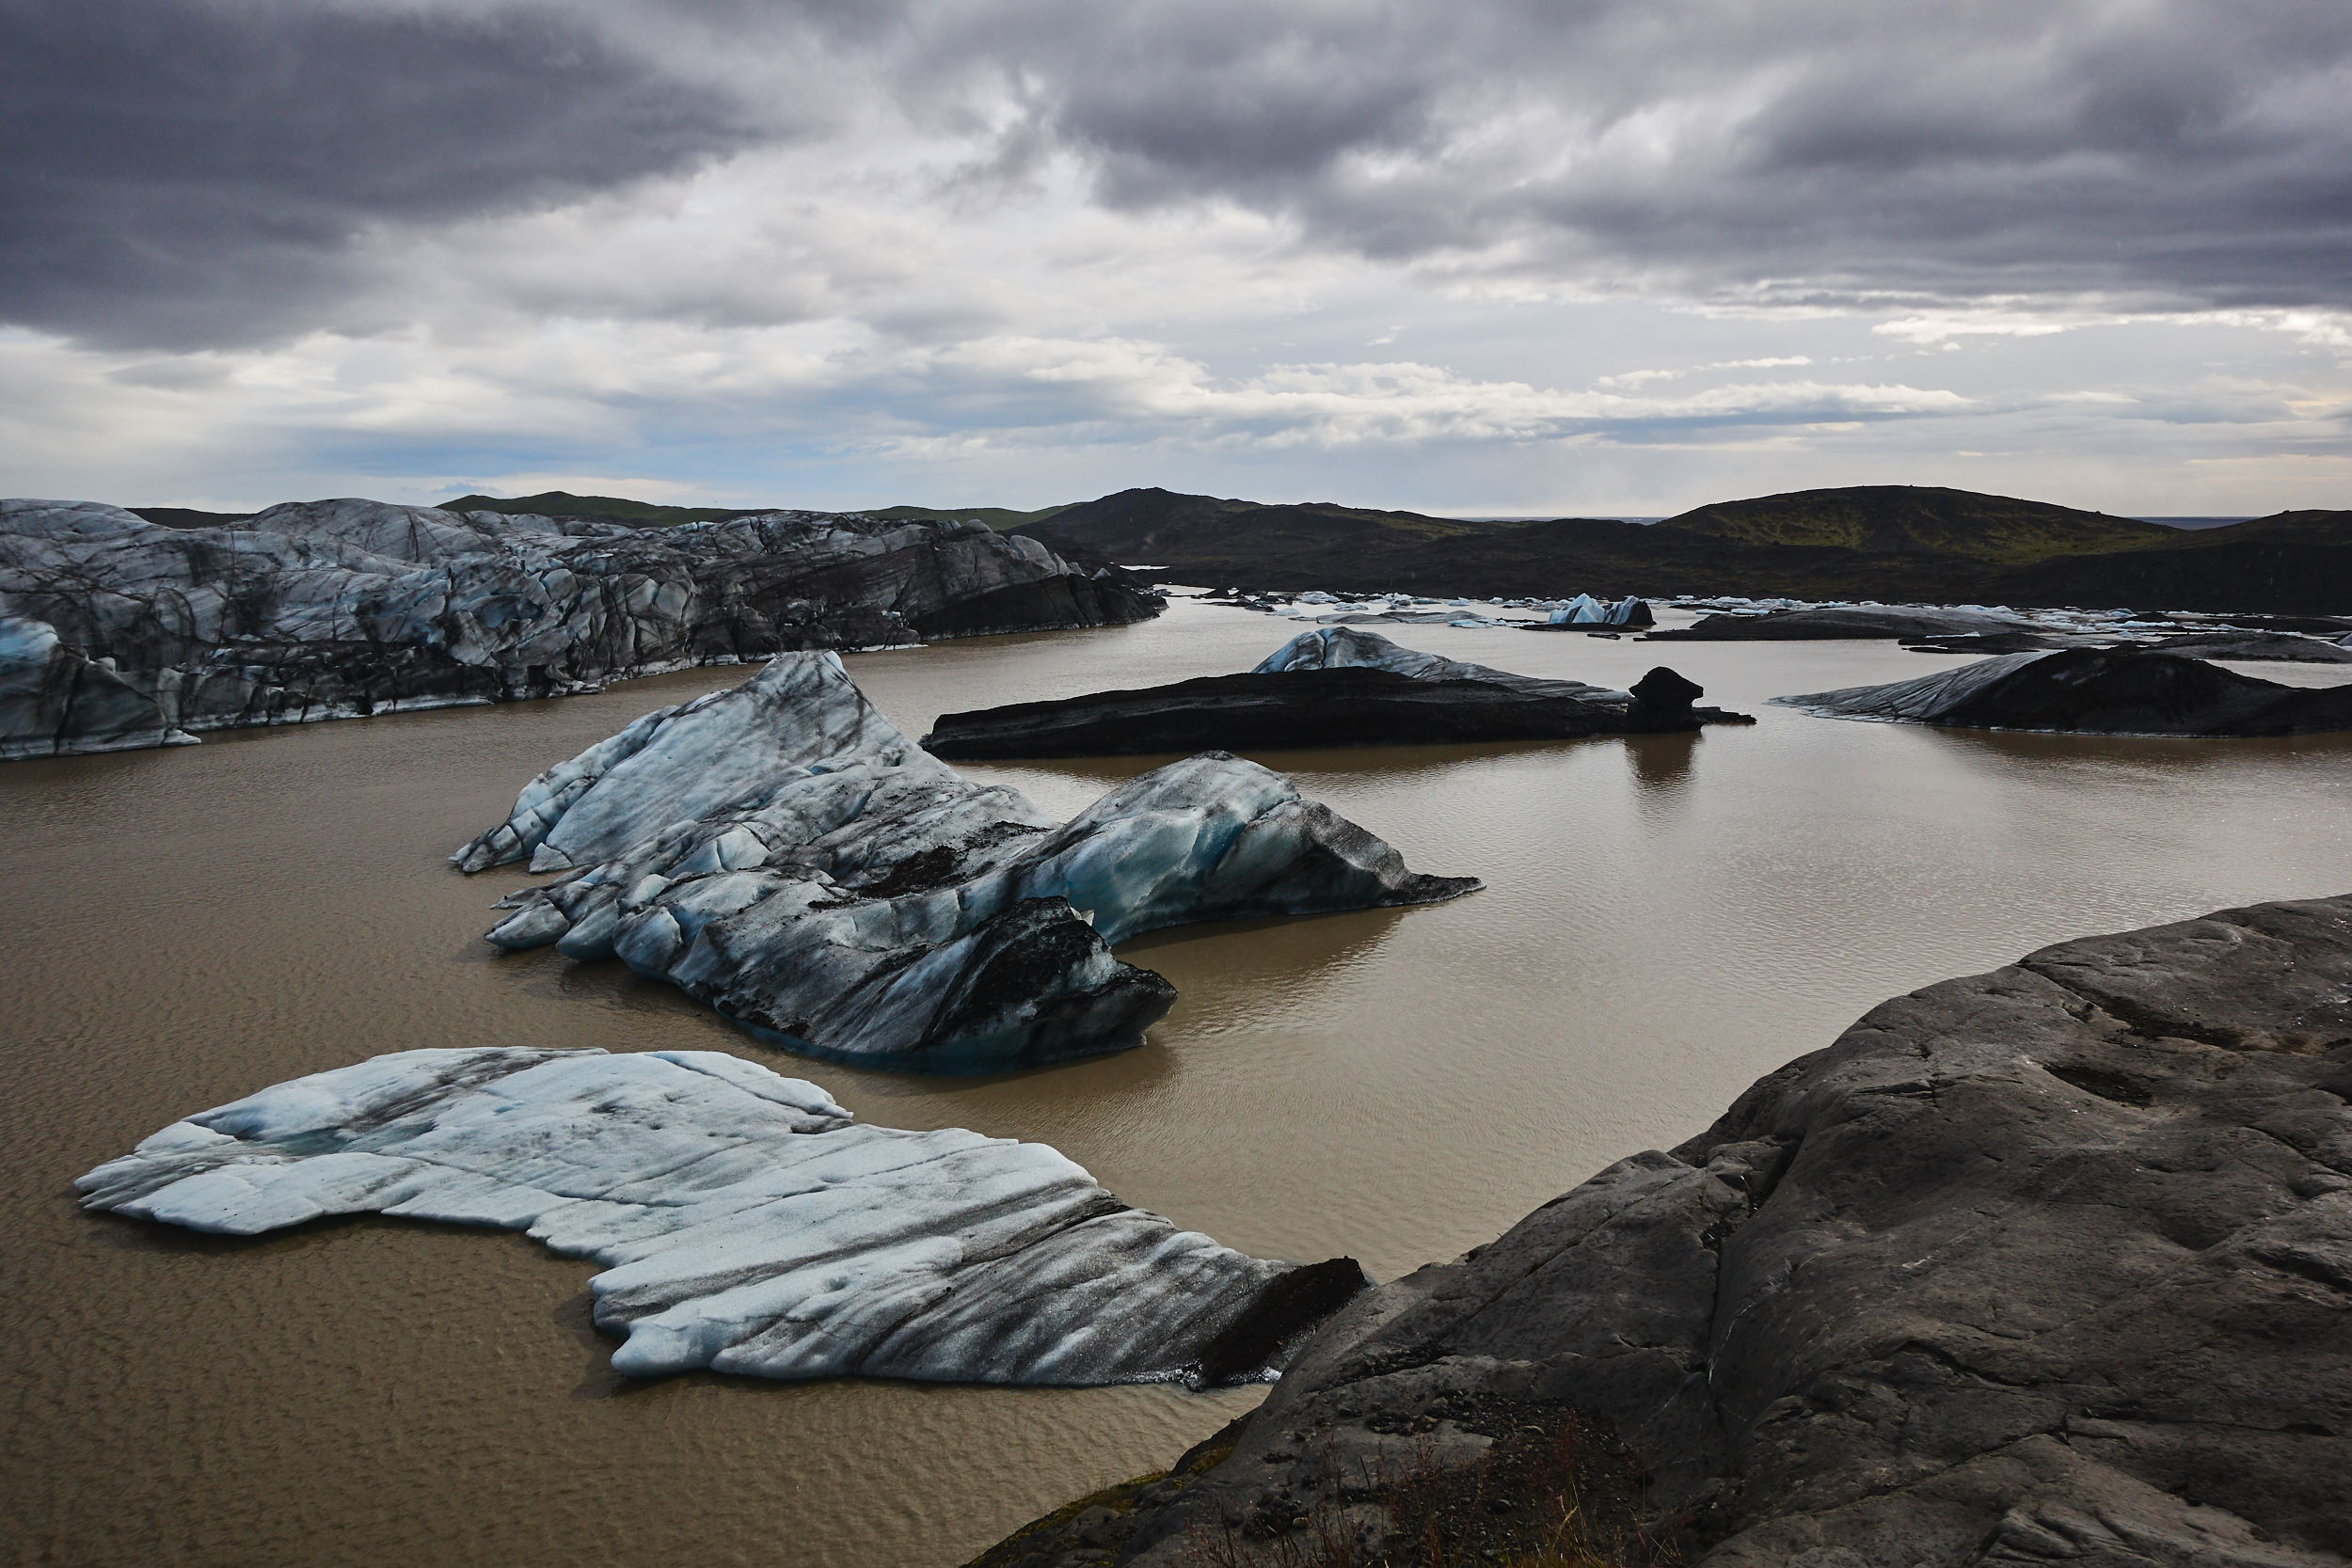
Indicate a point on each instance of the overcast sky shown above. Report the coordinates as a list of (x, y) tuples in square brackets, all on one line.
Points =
[(1506, 257)]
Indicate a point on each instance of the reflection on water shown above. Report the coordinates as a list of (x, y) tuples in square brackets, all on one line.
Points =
[(1661, 763), (183, 927)]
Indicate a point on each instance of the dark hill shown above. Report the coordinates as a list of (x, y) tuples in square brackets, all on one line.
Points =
[(562, 503), (998, 517), (1903, 519), (2293, 563), (1163, 525), (187, 516), (1892, 542)]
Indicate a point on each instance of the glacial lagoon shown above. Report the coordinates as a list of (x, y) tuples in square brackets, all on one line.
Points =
[(1665, 918)]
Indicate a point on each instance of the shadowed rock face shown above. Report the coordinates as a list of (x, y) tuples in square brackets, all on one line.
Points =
[(745, 1224), (2052, 1264), (129, 633), (2095, 691), (1338, 686), (781, 851)]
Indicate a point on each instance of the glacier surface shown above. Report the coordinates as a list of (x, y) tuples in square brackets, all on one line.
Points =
[(116, 632)]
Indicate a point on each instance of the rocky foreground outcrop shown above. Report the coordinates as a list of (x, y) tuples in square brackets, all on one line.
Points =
[(2048, 1265), (2095, 691), (1333, 687), (118, 633), (745, 1221), (782, 852)]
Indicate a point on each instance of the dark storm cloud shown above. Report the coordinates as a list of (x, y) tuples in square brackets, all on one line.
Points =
[(208, 172), (187, 174), (2179, 152)]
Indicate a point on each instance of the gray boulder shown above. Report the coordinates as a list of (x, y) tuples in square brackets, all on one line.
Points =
[(783, 852), (2052, 1264), (328, 609)]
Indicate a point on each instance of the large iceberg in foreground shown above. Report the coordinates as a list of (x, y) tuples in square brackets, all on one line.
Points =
[(745, 1221), (781, 851)]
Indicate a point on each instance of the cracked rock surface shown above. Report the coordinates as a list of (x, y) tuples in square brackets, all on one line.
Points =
[(2048, 1265), (117, 633), (745, 1223), (783, 852)]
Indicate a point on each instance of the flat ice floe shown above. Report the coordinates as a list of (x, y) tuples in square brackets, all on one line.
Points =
[(746, 1222)]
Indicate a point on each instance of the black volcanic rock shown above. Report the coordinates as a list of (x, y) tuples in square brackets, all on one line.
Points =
[(2048, 1265), (2095, 691), (1663, 694)]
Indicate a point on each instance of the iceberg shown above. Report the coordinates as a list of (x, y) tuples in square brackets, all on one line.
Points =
[(2121, 690), (745, 1221), (1585, 610), (781, 851)]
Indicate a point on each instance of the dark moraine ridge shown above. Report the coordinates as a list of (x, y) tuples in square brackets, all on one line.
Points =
[(1838, 622), (2051, 1264), (1349, 705), (2096, 691)]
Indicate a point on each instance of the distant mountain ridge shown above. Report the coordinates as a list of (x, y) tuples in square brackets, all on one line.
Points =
[(1889, 541), (1898, 543), (1920, 520), (619, 509)]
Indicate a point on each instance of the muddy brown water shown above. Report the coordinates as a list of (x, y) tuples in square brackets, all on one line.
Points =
[(1665, 919)]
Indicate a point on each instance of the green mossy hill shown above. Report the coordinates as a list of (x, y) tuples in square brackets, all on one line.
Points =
[(1906, 519), (562, 503), (998, 517)]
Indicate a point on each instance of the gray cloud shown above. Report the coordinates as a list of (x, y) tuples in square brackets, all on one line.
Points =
[(211, 172), (2183, 154), (180, 173)]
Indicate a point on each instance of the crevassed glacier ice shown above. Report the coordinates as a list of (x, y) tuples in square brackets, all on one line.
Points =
[(135, 634), (746, 1222), (786, 854)]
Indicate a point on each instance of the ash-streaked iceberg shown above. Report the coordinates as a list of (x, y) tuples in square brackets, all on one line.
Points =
[(2123, 690), (746, 1222), (783, 852)]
